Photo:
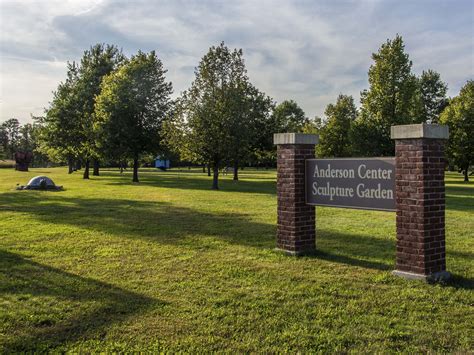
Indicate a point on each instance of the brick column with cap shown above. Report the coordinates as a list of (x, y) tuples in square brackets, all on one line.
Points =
[(296, 231), (420, 195)]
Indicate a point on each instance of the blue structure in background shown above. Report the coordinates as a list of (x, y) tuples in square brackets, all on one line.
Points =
[(162, 164)]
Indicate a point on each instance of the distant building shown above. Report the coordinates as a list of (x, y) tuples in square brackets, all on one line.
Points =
[(161, 163)]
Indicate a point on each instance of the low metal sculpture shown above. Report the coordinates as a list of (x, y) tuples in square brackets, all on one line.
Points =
[(40, 183)]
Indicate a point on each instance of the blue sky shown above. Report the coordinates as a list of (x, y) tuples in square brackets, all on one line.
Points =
[(309, 51)]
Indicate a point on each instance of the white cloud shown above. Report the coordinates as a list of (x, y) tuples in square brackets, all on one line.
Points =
[(27, 87), (301, 50)]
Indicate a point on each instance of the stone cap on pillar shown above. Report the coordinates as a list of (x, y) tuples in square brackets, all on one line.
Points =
[(421, 130), (295, 138)]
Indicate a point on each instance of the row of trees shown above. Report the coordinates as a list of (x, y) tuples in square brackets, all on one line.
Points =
[(224, 120), (113, 108), (395, 97), (109, 108), (15, 137), (223, 117)]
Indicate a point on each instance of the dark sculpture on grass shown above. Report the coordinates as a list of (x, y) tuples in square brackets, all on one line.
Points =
[(40, 183), (23, 160)]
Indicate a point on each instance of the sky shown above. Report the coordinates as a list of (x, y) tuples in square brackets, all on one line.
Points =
[(307, 51)]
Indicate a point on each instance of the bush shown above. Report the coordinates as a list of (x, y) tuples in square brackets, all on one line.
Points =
[(7, 163)]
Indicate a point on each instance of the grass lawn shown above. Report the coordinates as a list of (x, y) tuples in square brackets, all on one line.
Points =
[(169, 265)]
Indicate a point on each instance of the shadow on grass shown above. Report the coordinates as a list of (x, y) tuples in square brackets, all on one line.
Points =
[(467, 190), (355, 249), (459, 203), (192, 181), (167, 224), (159, 221), (460, 198), (460, 282), (48, 307)]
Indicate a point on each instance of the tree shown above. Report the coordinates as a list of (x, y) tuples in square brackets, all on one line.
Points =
[(433, 95), (10, 132), (97, 62), (131, 107), (289, 117), (3, 142), (61, 131), (459, 116), (285, 117), (250, 123), (240, 125), (335, 141), (205, 115), (392, 99), (30, 140), (262, 150), (27, 137), (313, 126)]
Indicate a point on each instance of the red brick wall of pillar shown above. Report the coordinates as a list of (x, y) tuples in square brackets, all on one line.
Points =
[(296, 233), (420, 195)]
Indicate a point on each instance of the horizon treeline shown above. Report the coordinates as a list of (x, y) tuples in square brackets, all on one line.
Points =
[(114, 111)]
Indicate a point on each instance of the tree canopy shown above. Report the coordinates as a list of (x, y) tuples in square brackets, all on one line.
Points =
[(334, 135), (97, 62), (118, 110), (61, 128), (459, 116), (130, 108), (392, 99), (214, 113), (9, 137), (433, 95), (289, 117)]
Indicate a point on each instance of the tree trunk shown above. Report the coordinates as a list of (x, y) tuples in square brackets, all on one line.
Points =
[(135, 169), (78, 164), (204, 169), (208, 169), (215, 178), (70, 165), (236, 170), (86, 170), (96, 168), (466, 174)]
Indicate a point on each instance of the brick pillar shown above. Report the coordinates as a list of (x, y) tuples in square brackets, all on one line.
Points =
[(419, 154), (296, 232)]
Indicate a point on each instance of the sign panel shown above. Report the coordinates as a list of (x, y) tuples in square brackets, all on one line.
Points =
[(351, 182)]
